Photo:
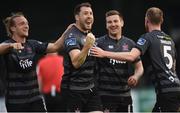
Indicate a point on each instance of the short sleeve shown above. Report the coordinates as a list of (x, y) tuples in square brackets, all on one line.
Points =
[(143, 43), (40, 47), (71, 42)]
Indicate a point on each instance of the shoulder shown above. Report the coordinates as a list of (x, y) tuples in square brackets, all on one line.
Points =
[(31, 41), (127, 39), (101, 38), (72, 32)]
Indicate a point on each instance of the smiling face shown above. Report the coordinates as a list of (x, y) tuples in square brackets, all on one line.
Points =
[(20, 27), (85, 18), (114, 25)]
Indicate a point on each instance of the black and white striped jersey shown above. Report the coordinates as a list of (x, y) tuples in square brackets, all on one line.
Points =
[(22, 84), (161, 53), (83, 77), (113, 74)]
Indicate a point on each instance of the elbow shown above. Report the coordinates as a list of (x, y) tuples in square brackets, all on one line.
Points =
[(51, 48), (55, 48), (131, 58), (75, 65)]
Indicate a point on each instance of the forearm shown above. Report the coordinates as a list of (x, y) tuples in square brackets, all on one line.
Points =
[(60, 42), (80, 58), (5, 47), (58, 45), (122, 56), (139, 70)]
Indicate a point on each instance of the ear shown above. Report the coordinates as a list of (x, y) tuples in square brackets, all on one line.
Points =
[(76, 17), (146, 20), (13, 28), (122, 22)]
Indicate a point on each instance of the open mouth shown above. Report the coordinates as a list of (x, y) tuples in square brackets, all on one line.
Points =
[(88, 21)]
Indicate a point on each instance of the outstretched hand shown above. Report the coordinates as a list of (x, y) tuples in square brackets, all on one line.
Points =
[(97, 52)]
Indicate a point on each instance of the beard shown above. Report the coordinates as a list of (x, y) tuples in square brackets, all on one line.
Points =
[(85, 25)]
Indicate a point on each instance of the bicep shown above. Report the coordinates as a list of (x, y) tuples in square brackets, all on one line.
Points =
[(135, 53)]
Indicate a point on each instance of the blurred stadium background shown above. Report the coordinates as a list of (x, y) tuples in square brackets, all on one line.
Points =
[(49, 18)]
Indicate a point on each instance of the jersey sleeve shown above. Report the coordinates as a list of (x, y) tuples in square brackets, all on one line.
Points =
[(40, 47), (133, 44), (143, 43), (71, 43)]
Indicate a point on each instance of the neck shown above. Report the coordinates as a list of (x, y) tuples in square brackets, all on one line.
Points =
[(154, 27), (82, 30), (115, 36), (19, 39)]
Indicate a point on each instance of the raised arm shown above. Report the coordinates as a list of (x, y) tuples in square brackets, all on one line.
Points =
[(54, 47), (78, 57)]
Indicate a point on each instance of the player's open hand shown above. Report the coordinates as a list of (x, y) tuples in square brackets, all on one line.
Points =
[(97, 52)]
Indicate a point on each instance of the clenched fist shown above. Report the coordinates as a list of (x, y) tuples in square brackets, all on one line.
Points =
[(90, 39), (132, 81), (16, 46)]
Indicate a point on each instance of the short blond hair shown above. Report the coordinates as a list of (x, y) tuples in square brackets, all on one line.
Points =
[(155, 15)]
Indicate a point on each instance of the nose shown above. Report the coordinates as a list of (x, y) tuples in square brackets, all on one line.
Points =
[(113, 24), (27, 26)]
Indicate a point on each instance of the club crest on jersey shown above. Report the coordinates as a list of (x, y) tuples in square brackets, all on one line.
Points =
[(125, 47), (110, 46), (29, 50), (141, 41), (70, 42)]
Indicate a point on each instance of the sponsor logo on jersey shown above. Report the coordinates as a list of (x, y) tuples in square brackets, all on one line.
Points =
[(166, 42), (113, 62), (141, 41), (164, 37), (25, 63)]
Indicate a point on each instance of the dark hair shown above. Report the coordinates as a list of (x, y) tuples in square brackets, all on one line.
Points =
[(9, 22), (114, 12), (78, 7), (155, 15)]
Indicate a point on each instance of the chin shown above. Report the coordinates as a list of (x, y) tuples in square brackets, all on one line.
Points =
[(25, 35), (88, 27)]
